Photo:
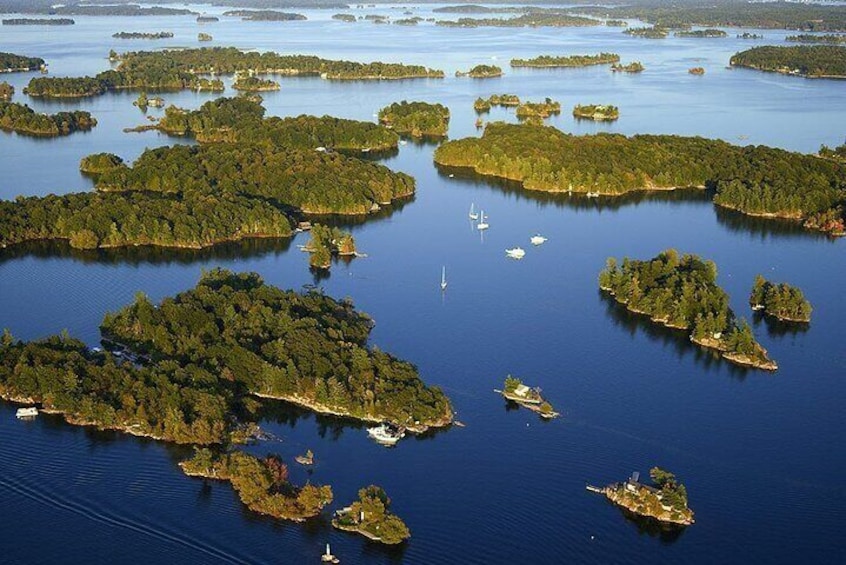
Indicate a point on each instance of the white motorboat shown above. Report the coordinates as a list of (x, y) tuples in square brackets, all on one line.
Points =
[(386, 434), (28, 412), (515, 253), (538, 239)]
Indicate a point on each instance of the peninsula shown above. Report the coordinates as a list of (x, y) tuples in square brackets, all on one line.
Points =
[(262, 484), (417, 119), (552, 61), (781, 301), (665, 500), (681, 292), (809, 61), (830, 38), (370, 516)]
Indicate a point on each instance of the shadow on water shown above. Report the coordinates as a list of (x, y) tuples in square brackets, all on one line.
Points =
[(349, 221), (575, 201), (678, 340), (777, 328), (764, 228), (646, 525)]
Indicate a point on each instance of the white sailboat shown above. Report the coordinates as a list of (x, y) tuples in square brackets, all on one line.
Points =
[(515, 253), (538, 239), (473, 214), (482, 225), (443, 278)]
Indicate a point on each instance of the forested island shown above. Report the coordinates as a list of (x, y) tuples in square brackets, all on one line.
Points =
[(831, 38), (810, 61), (482, 105), (538, 110), (38, 22), (682, 293), (532, 19), (204, 37), (701, 33), (207, 19), (755, 180), (327, 242), (21, 118), (254, 84), (194, 383), (747, 35), (179, 69), (647, 32), (596, 112), (552, 61), (665, 500), (481, 71), (616, 23), (242, 119), (408, 21), (782, 301), (265, 15), (262, 484), (766, 15), (99, 163), (633, 67), (7, 91), (417, 119), (142, 35), (11, 63), (348, 18), (371, 517)]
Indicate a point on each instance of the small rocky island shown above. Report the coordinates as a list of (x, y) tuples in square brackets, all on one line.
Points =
[(261, 484), (696, 71), (596, 112), (633, 67), (327, 242), (481, 71), (781, 301), (371, 517), (681, 292), (204, 37), (515, 391), (665, 500), (417, 119)]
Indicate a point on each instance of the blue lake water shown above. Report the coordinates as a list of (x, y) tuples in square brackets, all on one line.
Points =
[(762, 454)]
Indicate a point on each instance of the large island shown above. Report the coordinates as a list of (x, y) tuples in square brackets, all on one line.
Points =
[(22, 119), (781, 301), (809, 61)]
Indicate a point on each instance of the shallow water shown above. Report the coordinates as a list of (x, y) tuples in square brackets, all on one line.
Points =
[(761, 454)]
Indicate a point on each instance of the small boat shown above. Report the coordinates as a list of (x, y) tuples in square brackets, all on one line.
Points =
[(28, 412), (403, 142), (443, 279), (473, 215), (482, 225), (452, 176), (592, 195), (386, 434), (328, 557), (538, 239), (515, 253)]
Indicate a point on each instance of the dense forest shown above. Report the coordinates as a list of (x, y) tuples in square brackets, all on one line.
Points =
[(254, 84), (264, 15), (782, 301), (831, 38), (142, 35), (305, 348), (531, 19), (261, 484), (184, 69), (682, 292), (754, 180), (813, 61), (417, 119), (21, 118), (596, 112), (370, 516), (10, 63), (768, 15), (567, 60), (241, 119)]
